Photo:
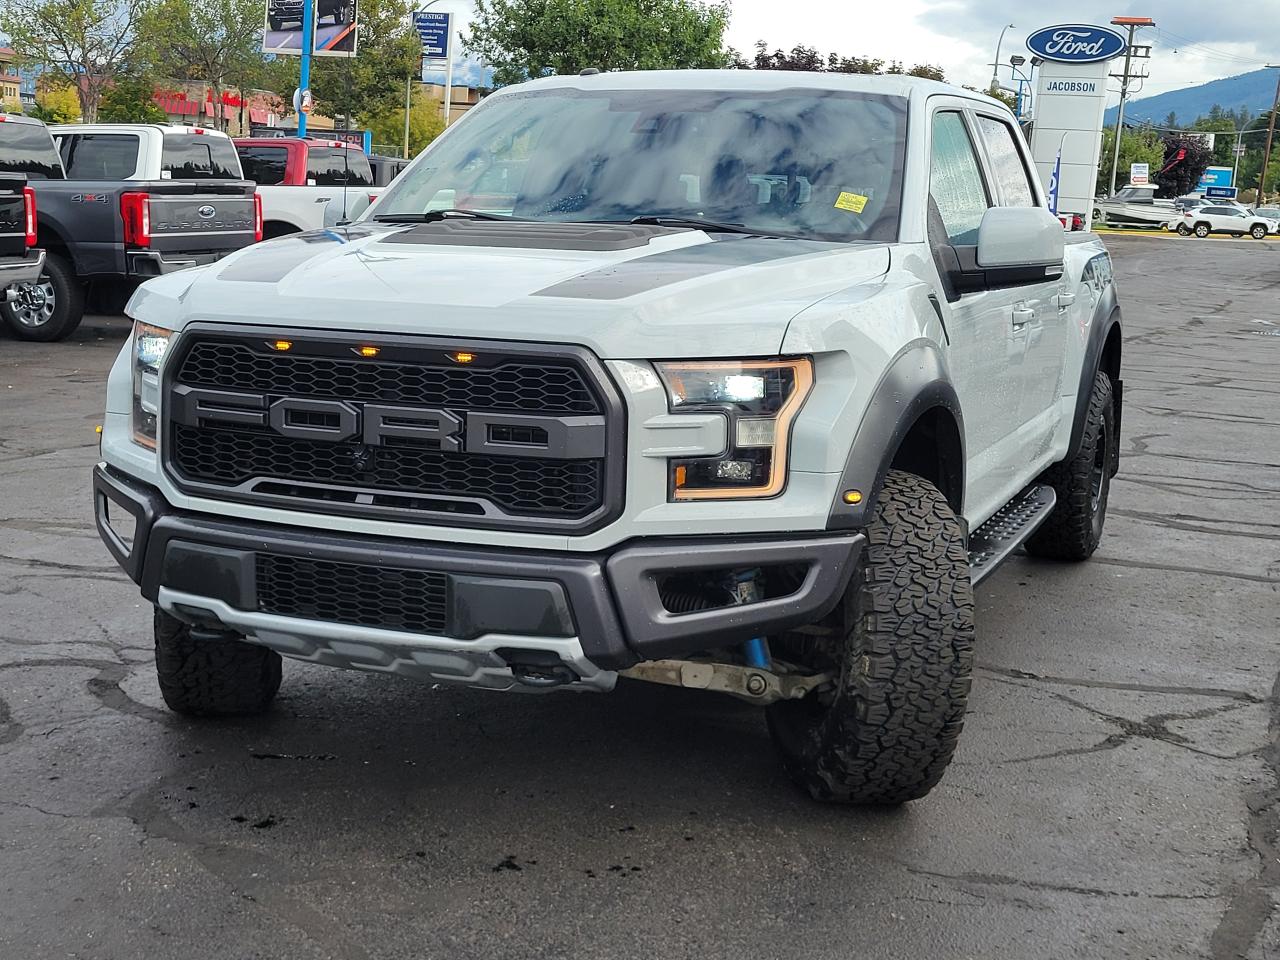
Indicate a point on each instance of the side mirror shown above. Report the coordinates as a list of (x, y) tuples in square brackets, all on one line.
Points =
[(1020, 237)]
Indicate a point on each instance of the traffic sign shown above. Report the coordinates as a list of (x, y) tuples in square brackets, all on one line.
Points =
[(434, 30)]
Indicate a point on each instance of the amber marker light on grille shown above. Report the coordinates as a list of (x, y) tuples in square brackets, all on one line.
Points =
[(281, 345), (462, 357), (853, 496), (368, 351)]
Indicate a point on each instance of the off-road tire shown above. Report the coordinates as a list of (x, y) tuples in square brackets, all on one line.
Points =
[(68, 304), (1082, 484), (1258, 231), (903, 659), (212, 678)]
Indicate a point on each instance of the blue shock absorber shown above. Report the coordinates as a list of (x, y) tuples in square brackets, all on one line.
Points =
[(756, 653), (745, 588)]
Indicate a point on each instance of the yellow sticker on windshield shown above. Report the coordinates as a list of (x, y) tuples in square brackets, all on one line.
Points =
[(853, 202)]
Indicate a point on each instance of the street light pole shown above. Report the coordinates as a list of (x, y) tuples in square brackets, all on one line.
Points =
[(1271, 132), (995, 65), (304, 66)]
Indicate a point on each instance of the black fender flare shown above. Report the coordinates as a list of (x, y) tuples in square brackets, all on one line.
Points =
[(915, 382), (1105, 319)]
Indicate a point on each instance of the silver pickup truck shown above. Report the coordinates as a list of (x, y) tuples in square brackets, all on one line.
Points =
[(737, 381)]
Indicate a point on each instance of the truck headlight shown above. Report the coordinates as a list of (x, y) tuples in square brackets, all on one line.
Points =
[(148, 348), (760, 399)]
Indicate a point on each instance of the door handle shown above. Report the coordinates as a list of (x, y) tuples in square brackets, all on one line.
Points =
[(1064, 300), (1022, 315)]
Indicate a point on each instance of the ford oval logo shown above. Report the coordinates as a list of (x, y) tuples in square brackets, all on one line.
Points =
[(207, 212), (1076, 43)]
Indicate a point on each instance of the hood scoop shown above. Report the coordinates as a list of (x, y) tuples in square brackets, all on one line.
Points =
[(533, 234)]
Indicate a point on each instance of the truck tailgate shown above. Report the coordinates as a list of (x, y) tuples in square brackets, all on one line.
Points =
[(13, 215), (201, 216)]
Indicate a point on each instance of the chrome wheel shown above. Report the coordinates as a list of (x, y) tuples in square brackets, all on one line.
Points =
[(35, 302)]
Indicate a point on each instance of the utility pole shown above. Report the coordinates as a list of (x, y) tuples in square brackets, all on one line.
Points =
[(1133, 23), (1271, 132)]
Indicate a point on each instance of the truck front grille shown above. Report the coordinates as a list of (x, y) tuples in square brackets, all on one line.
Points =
[(415, 601), (515, 437)]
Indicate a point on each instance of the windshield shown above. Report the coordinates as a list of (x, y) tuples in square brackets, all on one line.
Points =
[(809, 163)]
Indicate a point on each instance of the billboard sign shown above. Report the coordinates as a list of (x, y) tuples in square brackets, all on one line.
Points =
[(1139, 173), (433, 28), (1219, 193), (1076, 43), (1214, 177), (334, 23)]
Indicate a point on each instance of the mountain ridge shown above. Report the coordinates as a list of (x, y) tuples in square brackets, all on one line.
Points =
[(1255, 90)]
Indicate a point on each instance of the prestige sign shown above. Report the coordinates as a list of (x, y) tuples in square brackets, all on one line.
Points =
[(1076, 43)]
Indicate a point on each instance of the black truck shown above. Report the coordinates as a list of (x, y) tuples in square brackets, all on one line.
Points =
[(117, 204)]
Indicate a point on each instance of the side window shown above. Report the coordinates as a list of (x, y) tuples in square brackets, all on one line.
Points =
[(956, 188), (101, 156), (1006, 162)]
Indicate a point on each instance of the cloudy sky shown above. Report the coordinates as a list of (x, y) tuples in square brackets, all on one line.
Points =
[(1193, 40)]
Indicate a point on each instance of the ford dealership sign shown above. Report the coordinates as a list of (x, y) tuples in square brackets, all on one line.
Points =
[(1076, 43)]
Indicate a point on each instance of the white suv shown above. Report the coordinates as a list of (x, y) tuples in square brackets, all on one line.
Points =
[(1234, 220)]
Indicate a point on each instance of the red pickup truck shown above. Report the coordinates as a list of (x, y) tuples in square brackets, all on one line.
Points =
[(298, 179)]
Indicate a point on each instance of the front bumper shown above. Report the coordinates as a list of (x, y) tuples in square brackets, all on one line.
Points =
[(26, 269), (594, 613)]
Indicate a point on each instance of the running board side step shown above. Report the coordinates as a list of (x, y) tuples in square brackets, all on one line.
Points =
[(991, 544)]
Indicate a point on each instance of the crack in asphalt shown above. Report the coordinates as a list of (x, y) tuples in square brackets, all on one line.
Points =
[(1219, 692), (1190, 524), (1251, 902), (1153, 727), (1176, 568), (55, 565), (1003, 880)]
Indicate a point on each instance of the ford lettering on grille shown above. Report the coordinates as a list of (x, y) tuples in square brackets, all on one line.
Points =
[(562, 438)]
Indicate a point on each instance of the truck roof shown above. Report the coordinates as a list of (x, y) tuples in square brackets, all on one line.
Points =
[(164, 129), (19, 118), (891, 85), (303, 141)]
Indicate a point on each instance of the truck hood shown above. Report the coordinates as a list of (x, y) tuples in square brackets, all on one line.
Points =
[(624, 291)]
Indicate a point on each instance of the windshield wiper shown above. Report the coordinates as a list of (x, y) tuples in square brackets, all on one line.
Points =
[(700, 223), (433, 216)]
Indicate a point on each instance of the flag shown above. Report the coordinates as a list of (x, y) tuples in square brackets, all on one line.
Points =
[(1054, 179)]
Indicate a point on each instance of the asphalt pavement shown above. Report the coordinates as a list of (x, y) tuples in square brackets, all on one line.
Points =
[(1115, 793)]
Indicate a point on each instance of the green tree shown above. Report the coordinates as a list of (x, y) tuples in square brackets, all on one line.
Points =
[(129, 101), (373, 82), (528, 38), (1136, 146), (209, 41), (89, 43), (1255, 142), (426, 121), (801, 57)]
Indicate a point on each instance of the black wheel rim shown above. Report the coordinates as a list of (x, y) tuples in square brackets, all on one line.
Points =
[(1098, 473)]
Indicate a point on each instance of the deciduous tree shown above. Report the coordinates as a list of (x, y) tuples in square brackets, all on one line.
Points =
[(373, 83), (216, 42), (87, 42), (528, 38)]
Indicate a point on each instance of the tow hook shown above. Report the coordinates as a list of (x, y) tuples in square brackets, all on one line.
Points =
[(531, 675)]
